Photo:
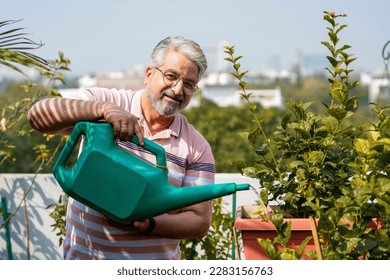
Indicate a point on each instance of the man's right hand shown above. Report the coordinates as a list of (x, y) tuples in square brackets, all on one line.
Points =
[(124, 123)]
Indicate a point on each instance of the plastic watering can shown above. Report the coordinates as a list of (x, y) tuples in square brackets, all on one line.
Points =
[(121, 185)]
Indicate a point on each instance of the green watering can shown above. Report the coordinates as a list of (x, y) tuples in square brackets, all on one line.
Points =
[(121, 185)]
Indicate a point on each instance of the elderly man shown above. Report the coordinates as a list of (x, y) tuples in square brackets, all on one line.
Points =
[(176, 66)]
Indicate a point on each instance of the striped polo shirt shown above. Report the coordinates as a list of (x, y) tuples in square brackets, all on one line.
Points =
[(190, 162)]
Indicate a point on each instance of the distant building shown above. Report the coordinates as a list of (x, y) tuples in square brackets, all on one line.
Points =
[(120, 80), (133, 79), (222, 90), (268, 98), (378, 86), (222, 95), (313, 64), (225, 96)]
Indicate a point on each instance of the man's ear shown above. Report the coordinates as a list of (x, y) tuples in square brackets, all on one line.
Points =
[(148, 73)]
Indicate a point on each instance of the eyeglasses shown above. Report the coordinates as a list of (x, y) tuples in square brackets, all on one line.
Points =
[(172, 79)]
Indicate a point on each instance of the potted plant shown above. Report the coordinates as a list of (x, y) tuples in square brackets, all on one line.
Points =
[(292, 236), (324, 168)]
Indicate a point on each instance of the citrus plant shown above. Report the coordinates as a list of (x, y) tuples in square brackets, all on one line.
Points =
[(319, 166)]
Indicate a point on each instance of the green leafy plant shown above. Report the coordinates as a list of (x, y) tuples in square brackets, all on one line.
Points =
[(58, 214), (15, 53), (15, 50), (278, 249), (324, 168), (217, 245)]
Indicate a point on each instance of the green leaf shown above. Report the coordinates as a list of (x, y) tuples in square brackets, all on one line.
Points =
[(385, 202), (316, 157), (351, 244), (337, 92), (264, 196), (296, 164), (262, 150), (270, 249), (242, 74), (286, 119), (242, 85), (329, 46), (277, 219), (341, 28), (366, 244), (288, 254), (235, 75), (237, 58), (362, 146), (229, 50), (352, 104), (244, 135), (284, 233), (333, 61), (327, 222), (252, 107), (253, 135), (337, 112), (333, 37), (303, 245), (251, 172)]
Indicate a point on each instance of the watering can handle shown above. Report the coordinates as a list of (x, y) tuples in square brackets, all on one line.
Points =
[(154, 148), (70, 145), (81, 128)]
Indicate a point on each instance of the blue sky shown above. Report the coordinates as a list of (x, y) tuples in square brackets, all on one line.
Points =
[(99, 36)]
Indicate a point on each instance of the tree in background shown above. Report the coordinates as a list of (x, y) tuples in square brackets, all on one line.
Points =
[(222, 128)]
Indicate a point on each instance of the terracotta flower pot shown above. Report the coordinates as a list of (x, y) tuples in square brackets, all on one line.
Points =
[(253, 228)]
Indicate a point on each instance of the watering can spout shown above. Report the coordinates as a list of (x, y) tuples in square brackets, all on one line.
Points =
[(242, 187), (121, 185), (179, 197)]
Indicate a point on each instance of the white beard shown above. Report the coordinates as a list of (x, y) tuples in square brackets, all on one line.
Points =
[(163, 107)]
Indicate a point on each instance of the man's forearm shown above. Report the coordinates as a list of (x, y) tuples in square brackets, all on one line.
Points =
[(189, 224)]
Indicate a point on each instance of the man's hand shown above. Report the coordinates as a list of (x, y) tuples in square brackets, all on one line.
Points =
[(124, 123), (138, 226)]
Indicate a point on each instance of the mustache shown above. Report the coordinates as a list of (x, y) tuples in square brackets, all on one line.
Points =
[(178, 98)]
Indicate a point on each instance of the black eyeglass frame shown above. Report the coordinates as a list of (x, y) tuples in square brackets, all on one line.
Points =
[(171, 83)]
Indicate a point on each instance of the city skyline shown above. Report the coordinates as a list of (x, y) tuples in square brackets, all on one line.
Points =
[(100, 36)]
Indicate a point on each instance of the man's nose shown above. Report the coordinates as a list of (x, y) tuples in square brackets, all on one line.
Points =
[(177, 88)]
